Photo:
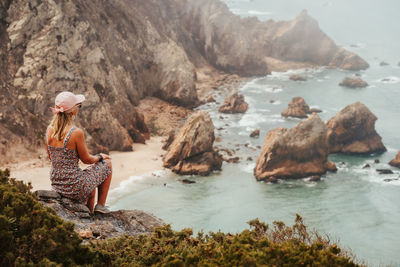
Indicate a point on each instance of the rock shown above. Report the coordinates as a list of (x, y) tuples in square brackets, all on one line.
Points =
[(398, 64), (272, 180), (352, 131), (295, 153), (366, 166), (298, 108), (353, 83), (383, 63), (348, 61), (315, 110), (296, 77), (232, 160), (255, 133), (396, 161), (192, 150), (272, 101), (315, 178), (187, 181), (249, 159), (210, 99), (170, 139), (234, 103), (47, 194), (102, 226), (390, 179), (377, 161), (384, 171)]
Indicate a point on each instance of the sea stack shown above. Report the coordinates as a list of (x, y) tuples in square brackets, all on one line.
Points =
[(396, 161), (192, 150), (353, 83), (234, 103), (295, 153), (297, 108), (352, 131)]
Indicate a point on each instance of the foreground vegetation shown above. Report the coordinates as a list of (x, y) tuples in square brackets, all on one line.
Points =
[(33, 235)]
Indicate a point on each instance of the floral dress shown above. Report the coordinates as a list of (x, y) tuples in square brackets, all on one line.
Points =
[(68, 179)]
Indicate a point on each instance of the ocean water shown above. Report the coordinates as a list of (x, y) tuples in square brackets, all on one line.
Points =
[(355, 206)]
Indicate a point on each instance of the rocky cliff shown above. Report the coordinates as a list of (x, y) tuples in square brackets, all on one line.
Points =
[(118, 52)]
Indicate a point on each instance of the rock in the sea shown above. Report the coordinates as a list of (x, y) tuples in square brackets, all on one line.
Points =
[(234, 103), (100, 226), (384, 171), (255, 133), (296, 77), (383, 63), (396, 161), (192, 150), (353, 83), (352, 131), (295, 153), (315, 110), (298, 108)]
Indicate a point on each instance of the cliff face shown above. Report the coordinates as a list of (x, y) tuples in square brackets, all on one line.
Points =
[(118, 52)]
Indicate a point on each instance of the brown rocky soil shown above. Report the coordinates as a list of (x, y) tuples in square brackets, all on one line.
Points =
[(297, 108), (352, 131), (295, 153), (396, 161), (192, 150)]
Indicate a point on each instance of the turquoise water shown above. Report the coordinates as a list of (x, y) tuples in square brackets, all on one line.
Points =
[(355, 205)]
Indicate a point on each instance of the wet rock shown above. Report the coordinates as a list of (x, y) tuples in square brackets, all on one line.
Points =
[(315, 178), (232, 160), (315, 110), (255, 133), (295, 153), (352, 131), (249, 159), (383, 63), (101, 226), (390, 179), (192, 150), (384, 171), (377, 161), (272, 101), (234, 103), (272, 180), (353, 83), (296, 77), (297, 108), (366, 166), (187, 181), (396, 161), (170, 139)]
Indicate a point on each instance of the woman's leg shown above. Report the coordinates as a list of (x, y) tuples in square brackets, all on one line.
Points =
[(90, 201), (103, 188)]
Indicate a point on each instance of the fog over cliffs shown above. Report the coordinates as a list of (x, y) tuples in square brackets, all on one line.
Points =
[(118, 52)]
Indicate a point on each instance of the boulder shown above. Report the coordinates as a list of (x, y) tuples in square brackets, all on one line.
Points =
[(191, 151), (384, 171), (295, 153), (315, 110), (298, 108), (296, 77), (383, 63), (353, 83), (99, 226), (255, 133), (234, 103), (396, 161), (352, 131)]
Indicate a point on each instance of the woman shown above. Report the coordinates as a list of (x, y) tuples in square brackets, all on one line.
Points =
[(66, 145)]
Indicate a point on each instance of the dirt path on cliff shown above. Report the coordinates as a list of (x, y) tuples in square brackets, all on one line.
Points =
[(143, 160)]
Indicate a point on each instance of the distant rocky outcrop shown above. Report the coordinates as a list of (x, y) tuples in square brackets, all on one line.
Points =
[(296, 77), (118, 52), (99, 226), (234, 103), (297, 108), (396, 161), (353, 83), (295, 153), (255, 133), (352, 131), (191, 151)]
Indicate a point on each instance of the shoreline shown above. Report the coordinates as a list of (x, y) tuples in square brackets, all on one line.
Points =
[(144, 159)]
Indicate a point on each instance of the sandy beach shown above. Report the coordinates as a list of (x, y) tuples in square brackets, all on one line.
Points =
[(144, 159)]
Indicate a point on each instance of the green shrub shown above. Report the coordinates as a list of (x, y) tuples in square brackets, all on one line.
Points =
[(259, 246), (33, 235)]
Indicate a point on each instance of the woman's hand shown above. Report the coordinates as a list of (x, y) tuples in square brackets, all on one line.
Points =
[(105, 156)]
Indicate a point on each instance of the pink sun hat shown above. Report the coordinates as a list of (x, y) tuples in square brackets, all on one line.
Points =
[(65, 101)]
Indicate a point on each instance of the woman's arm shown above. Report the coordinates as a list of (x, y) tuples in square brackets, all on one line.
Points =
[(82, 148)]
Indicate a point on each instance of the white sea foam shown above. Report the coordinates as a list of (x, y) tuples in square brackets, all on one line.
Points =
[(251, 120), (248, 168), (259, 13)]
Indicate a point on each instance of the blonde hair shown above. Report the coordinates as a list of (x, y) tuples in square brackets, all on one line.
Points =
[(58, 124)]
